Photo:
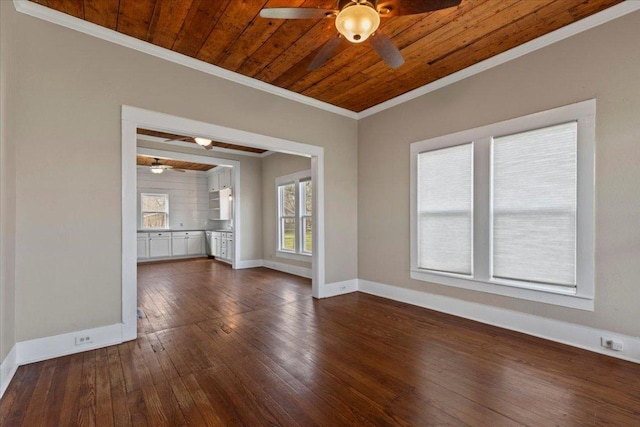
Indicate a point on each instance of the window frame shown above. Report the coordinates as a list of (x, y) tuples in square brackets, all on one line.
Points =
[(142, 211), (580, 297), (298, 178)]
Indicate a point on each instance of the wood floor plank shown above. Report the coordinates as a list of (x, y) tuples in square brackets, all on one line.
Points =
[(219, 347)]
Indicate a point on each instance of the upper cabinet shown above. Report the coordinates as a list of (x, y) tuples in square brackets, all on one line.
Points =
[(219, 179), (224, 178)]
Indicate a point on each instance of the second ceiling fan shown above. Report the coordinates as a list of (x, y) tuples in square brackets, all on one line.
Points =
[(359, 20)]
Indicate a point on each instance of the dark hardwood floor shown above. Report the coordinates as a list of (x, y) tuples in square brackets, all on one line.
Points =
[(251, 347)]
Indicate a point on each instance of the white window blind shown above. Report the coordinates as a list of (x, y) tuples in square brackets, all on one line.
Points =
[(534, 205), (445, 209)]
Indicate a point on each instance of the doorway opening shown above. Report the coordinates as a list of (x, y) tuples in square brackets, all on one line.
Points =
[(169, 151)]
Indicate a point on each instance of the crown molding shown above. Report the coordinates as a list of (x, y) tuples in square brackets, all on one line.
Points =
[(38, 11), (614, 12)]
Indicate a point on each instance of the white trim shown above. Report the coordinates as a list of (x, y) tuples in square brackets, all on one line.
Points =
[(8, 369), (171, 258), (554, 330), (132, 118), (339, 288), (614, 12), (45, 348), (304, 257), (581, 297), (249, 263), (291, 269), (37, 11)]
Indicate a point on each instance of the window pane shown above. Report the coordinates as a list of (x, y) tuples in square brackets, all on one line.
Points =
[(154, 202), (445, 203), (154, 220), (307, 196), (288, 200), (288, 237), (534, 205), (307, 244)]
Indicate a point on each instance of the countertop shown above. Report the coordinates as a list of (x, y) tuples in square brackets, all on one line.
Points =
[(169, 230)]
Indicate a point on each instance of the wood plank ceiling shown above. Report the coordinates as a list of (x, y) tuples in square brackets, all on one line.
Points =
[(174, 137), (148, 161), (230, 34)]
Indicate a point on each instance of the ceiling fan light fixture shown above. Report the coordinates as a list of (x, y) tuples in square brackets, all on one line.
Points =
[(157, 169), (203, 141), (357, 22)]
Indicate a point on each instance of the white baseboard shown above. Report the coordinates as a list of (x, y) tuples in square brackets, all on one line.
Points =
[(45, 348), (338, 288), (8, 368), (170, 258), (286, 268), (249, 263), (554, 330)]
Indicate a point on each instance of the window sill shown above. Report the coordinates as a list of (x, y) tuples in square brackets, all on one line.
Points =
[(530, 292), (294, 256)]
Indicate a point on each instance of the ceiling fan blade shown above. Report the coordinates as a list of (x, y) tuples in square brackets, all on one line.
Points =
[(412, 7), (208, 147), (325, 52), (296, 13), (177, 170), (388, 51)]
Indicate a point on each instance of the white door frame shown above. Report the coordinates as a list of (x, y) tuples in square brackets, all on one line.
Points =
[(132, 118)]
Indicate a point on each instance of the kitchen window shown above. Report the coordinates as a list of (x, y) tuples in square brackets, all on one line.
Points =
[(154, 211), (295, 220), (509, 208)]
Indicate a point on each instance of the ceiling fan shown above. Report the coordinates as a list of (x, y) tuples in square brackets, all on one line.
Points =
[(357, 21), (205, 143), (157, 167)]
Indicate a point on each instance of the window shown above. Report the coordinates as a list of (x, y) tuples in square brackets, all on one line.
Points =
[(508, 208), (154, 211), (295, 220)]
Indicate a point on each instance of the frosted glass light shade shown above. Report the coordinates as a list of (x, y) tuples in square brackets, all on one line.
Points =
[(203, 141), (156, 169), (356, 23)]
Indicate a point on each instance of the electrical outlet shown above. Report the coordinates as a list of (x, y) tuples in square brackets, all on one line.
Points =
[(84, 339), (611, 344)]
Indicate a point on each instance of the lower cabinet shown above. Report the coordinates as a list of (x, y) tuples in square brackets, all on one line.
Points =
[(187, 243), (143, 245), (167, 244), (159, 245)]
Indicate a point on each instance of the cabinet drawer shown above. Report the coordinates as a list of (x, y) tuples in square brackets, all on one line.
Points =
[(159, 234), (143, 235), (186, 233), (229, 235), (223, 243)]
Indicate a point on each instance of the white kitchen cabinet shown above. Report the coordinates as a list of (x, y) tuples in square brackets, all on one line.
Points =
[(215, 244), (224, 178), (179, 246), (214, 181), (187, 243), (230, 246), (226, 246), (159, 244), (220, 178), (195, 243), (143, 245)]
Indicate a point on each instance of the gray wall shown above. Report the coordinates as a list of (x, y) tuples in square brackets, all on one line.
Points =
[(7, 183), (602, 63), (67, 125), (274, 166)]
